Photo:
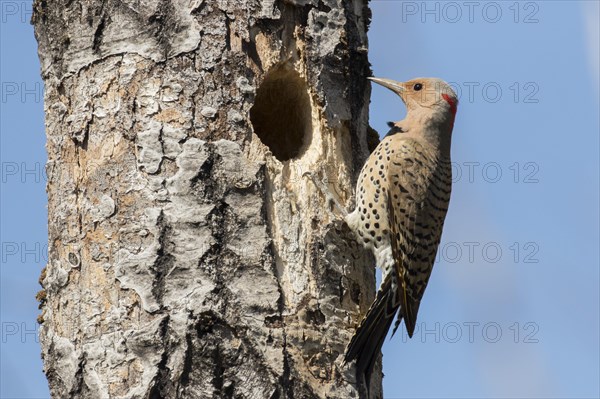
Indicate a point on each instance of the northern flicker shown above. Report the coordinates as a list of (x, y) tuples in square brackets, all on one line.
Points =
[(402, 196)]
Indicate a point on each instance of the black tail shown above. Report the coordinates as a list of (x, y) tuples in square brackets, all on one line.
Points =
[(368, 339)]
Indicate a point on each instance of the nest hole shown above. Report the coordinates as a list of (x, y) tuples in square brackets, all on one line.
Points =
[(281, 114)]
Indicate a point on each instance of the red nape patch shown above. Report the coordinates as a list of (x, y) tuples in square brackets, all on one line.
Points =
[(450, 101)]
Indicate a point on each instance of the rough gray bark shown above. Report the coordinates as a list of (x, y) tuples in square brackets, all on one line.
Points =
[(188, 256)]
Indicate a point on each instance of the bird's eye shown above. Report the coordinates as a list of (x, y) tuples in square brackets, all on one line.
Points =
[(418, 86)]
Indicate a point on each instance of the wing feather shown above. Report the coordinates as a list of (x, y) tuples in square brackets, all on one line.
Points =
[(414, 224)]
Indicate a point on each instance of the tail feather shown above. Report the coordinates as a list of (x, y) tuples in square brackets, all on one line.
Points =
[(368, 339)]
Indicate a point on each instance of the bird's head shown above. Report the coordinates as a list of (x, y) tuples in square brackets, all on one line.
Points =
[(430, 94)]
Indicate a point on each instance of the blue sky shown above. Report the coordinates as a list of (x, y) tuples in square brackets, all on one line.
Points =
[(512, 309)]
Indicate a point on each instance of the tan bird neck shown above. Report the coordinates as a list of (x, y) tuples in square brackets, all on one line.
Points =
[(433, 128)]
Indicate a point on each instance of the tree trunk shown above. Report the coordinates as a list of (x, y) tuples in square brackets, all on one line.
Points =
[(188, 255)]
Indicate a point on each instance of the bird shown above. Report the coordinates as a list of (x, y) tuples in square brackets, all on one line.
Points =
[(402, 197)]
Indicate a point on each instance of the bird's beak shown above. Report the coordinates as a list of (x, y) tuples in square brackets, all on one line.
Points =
[(396, 87)]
